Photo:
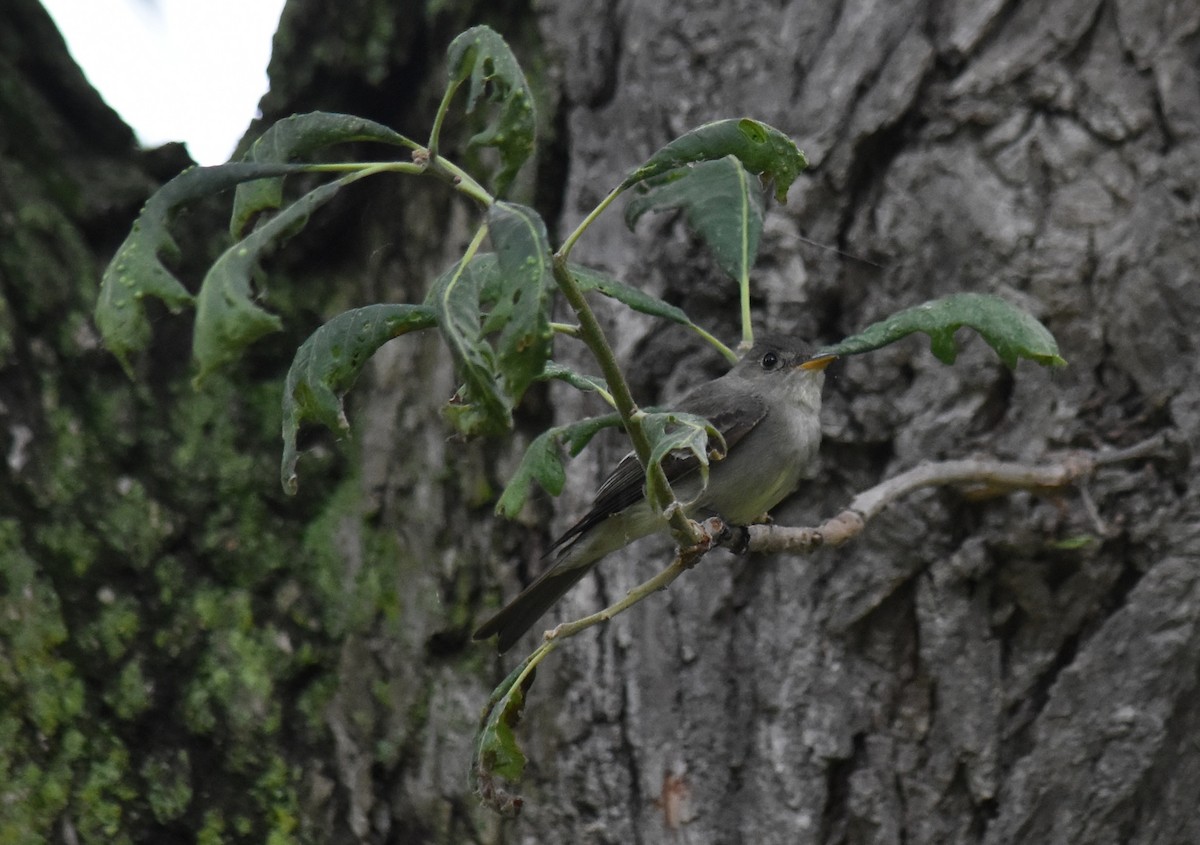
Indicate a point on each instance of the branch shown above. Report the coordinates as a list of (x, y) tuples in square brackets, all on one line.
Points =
[(711, 533), (983, 477), (658, 489)]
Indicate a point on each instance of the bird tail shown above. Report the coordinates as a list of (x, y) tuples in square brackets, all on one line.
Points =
[(520, 614)]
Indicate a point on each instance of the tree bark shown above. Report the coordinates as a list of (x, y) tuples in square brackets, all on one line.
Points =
[(192, 651)]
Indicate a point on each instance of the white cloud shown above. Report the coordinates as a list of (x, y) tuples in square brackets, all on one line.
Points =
[(175, 70)]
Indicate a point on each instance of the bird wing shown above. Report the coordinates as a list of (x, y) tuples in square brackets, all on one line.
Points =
[(625, 486)]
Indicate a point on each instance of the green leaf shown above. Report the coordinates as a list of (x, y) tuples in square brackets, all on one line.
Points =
[(480, 406), (298, 137), (496, 753), (1079, 541), (580, 381), (635, 298), (521, 300), (674, 431), (481, 55), (227, 319), (138, 270), (1013, 333), (721, 202), (762, 149), (542, 461), (327, 364)]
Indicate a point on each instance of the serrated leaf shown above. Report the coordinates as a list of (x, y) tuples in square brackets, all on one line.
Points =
[(1013, 333), (522, 298), (761, 148), (542, 461), (721, 203), (480, 406), (327, 364), (481, 55), (497, 754), (137, 270), (227, 319), (298, 137)]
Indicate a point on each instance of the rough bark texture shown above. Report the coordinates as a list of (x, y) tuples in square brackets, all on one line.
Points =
[(1020, 669)]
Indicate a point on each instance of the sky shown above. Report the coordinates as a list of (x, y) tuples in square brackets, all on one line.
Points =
[(175, 70)]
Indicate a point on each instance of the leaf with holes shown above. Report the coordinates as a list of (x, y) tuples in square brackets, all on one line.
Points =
[(1013, 333), (298, 137), (543, 463), (227, 318), (722, 203), (521, 299), (483, 57), (480, 406), (139, 269), (762, 149), (496, 754), (327, 364)]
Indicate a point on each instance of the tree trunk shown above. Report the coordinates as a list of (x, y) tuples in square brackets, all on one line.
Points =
[(192, 653)]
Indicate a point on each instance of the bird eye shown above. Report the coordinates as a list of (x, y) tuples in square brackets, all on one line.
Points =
[(770, 361)]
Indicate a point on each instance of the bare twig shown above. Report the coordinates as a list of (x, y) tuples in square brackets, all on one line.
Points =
[(712, 533), (981, 476)]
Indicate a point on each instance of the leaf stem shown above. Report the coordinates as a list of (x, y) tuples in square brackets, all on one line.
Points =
[(569, 243), (658, 489), (462, 181), (443, 107), (730, 355), (372, 166), (568, 329)]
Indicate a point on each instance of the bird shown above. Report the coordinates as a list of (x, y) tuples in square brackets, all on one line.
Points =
[(767, 409)]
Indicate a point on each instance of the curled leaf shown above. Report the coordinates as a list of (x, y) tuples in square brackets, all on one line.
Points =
[(497, 755), (138, 269), (481, 55), (298, 137), (1013, 333), (762, 149), (579, 381), (457, 297), (542, 461), (520, 297), (327, 364), (721, 202), (227, 318), (674, 432)]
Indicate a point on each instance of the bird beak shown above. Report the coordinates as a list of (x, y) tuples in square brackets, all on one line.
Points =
[(817, 364)]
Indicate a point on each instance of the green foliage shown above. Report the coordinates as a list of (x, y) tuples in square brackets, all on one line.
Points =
[(493, 313), (497, 754), (481, 55), (227, 319), (1013, 333), (760, 148), (721, 203), (139, 270), (542, 461), (298, 137), (458, 298), (521, 298), (328, 363)]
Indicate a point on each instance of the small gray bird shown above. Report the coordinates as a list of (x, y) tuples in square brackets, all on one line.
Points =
[(767, 407)]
